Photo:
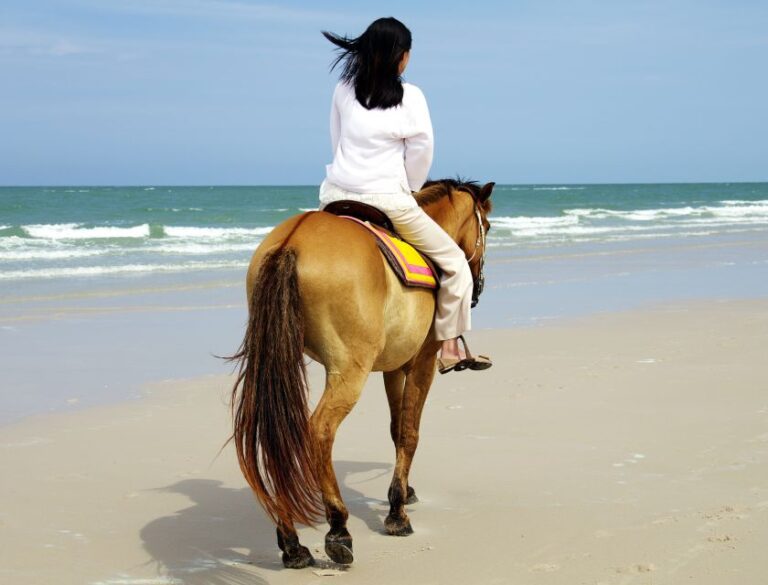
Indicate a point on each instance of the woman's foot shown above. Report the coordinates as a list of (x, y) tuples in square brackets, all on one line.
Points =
[(453, 359)]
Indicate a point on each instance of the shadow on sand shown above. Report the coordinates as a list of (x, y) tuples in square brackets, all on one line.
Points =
[(224, 534)]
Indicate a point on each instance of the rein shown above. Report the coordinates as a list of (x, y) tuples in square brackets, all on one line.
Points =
[(479, 282)]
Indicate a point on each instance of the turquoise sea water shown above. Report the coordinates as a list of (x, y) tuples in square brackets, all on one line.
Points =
[(103, 289), (82, 232)]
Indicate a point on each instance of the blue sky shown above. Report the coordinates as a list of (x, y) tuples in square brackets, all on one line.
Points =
[(238, 92)]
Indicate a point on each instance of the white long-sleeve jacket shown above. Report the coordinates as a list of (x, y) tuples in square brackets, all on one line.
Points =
[(380, 152)]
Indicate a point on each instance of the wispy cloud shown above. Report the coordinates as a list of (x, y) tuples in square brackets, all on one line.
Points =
[(26, 42), (227, 9), (89, 38)]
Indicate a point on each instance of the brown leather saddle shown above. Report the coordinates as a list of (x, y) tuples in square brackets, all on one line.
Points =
[(361, 211)]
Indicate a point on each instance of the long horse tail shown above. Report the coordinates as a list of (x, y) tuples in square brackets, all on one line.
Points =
[(269, 399)]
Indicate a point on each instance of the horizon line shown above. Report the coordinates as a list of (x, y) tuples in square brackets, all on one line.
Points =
[(315, 186)]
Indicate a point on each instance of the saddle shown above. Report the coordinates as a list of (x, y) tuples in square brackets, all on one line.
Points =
[(361, 211), (411, 267)]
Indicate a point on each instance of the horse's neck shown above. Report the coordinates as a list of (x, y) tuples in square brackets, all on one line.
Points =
[(449, 215)]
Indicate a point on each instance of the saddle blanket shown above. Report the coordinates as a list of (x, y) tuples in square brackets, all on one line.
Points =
[(409, 265)]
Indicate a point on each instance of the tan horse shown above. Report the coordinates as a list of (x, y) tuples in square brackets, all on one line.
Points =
[(318, 285)]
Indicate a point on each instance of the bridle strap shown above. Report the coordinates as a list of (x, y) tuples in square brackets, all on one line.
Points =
[(479, 282), (480, 235)]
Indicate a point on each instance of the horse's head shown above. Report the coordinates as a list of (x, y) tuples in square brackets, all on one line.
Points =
[(462, 208)]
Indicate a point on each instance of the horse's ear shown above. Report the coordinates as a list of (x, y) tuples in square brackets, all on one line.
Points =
[(485, 192)]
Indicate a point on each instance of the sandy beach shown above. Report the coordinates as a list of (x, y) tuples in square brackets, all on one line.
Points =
[(624, 448)]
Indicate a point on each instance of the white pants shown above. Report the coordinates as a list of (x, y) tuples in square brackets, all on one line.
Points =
[(454, 297)]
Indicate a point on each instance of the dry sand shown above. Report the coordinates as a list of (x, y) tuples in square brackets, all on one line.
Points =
[(622, 449)]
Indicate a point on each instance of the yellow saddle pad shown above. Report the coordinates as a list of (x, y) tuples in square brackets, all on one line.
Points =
[(411, 267)]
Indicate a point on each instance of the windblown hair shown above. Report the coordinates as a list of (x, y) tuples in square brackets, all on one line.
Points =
[(370, 62)]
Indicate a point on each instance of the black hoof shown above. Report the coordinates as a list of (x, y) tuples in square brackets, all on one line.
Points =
[(302, 558), (338, 547), (398, 526), (410, 497), (295, 556)]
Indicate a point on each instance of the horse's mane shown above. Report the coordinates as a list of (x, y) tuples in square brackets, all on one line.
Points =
[(435, 190)]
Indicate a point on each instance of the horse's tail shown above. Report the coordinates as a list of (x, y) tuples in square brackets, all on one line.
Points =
[(269, 400)]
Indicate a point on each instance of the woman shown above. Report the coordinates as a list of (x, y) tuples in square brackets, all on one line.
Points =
[(381, 135)]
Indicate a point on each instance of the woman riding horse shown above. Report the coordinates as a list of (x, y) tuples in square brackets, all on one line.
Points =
[(318, 285), (381, 135)]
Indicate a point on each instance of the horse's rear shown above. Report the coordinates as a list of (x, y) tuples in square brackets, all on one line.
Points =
[(356, 311), (316, 285)]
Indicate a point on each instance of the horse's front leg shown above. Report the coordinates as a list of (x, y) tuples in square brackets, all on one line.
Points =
[(342, 389), (416, 388)]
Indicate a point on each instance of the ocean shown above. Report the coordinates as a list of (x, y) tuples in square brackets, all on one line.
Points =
[(82, 232), (105, 289)]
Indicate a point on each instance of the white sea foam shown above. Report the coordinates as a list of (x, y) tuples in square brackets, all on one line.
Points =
[(78, 271), (211, 232), (524, 222), (11, 242), (44, 254), (757, 209), (199, 248), (74, 231), (744, 202), (749, 210), (599, 224)]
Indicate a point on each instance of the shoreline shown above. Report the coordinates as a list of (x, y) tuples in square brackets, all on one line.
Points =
[(614, 448)]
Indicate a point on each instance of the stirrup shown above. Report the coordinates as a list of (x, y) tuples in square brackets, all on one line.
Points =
[(479, 362)]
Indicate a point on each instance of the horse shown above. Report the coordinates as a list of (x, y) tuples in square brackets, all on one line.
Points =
[(318, 285)]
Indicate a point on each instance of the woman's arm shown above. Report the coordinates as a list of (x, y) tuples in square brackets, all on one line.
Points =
[(335, 121), (419, 144)]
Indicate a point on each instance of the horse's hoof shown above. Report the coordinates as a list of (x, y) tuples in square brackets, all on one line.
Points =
[(338, 547), (398, 526), (339, 553), (298, 559), (410, 497), (295, 556)]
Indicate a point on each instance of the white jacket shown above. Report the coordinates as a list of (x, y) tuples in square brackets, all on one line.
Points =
[(380, 152)]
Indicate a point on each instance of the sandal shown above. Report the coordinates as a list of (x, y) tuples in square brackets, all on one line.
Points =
[(451, 365), (479, 362)]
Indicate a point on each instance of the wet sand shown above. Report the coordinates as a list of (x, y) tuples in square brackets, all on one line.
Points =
[(627, 448)]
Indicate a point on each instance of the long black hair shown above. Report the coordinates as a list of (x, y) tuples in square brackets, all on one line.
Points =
[(371, 61)]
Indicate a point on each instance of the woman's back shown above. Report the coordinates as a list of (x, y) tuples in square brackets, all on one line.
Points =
[(380, 150)]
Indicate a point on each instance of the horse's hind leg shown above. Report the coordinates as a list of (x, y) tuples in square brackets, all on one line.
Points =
[(416, 388), (394, 382), (295, 556), (342, 389)]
